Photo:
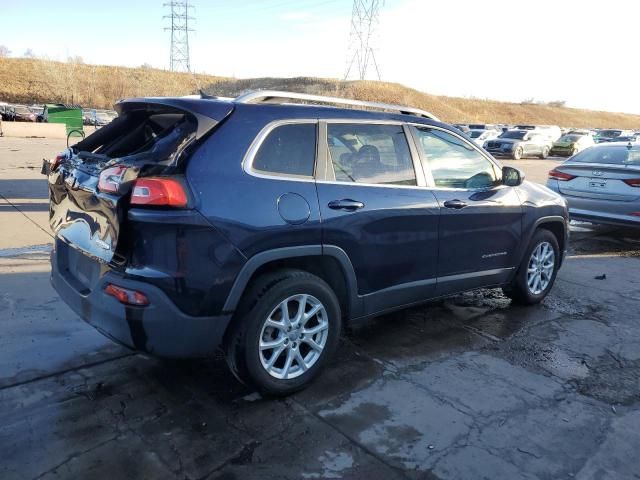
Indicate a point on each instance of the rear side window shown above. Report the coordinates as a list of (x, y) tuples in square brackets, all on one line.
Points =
[(369, 153), (288, 150)]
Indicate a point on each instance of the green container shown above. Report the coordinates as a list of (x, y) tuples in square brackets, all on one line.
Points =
[(70, 115)]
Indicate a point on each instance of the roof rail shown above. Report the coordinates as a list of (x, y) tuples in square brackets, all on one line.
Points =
[(273, 96)]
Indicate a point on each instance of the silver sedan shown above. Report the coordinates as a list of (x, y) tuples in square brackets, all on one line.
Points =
[(601, 184)]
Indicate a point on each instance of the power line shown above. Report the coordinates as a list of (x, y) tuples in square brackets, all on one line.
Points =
[(365, 18), (180, 17)]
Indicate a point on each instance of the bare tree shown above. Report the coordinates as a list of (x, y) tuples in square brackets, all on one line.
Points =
[(4, 51), (28, 53)]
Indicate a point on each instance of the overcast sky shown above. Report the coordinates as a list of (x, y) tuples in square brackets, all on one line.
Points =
[(584, 52)]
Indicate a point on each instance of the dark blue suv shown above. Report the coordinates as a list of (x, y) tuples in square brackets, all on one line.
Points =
[(259, 226)]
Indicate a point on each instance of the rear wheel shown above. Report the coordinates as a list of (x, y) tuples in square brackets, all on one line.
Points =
[(286, 329), (537, 271), (517, 153)]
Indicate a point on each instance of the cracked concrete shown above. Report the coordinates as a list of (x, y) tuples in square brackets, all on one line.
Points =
[(467, 388)]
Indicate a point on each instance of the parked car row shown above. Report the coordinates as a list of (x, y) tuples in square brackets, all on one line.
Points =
[(18, 113), (36, 113), (519, 141)]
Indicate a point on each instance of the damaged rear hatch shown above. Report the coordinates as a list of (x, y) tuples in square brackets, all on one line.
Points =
[(90, 183)]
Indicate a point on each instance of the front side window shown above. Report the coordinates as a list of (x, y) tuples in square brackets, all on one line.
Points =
[(453, 162), (369, 153), (288, 150)]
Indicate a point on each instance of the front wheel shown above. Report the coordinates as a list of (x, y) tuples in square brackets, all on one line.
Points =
[(545, 152), (287, 328), (537, 271)]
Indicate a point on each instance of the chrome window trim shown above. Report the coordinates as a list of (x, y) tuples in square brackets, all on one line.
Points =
[(249, 156), (330, 178), (427, 171)]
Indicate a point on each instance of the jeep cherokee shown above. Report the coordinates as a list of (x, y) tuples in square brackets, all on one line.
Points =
[(258, 226)]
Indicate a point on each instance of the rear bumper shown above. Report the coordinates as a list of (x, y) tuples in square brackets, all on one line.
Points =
[(604, 218), (160, 328)]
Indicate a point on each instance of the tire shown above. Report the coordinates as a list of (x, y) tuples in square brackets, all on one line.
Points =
[(520, 290), (263, 304), (545, 153), (517, 153)]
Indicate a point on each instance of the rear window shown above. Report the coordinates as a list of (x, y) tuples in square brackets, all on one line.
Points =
[(617, 155), (149, 137), (288, 150)]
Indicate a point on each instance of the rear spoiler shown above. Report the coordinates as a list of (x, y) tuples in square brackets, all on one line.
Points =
[(208, 113)]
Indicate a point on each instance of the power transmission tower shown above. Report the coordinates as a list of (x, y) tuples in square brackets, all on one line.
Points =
[(180, 18), (365, 18)]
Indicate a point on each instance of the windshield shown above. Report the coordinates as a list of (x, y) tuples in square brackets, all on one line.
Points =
[(515, 135), (609, 133), (476, 133), (570, 138), (613, 155)]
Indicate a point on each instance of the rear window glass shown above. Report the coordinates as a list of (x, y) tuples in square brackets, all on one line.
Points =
[(288, 150), (619, 155)]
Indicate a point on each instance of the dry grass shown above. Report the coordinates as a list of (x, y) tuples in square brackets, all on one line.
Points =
[(39, 81)]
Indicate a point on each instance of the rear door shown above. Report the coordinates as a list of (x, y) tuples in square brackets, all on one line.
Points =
[(375, 207), (480, 219)]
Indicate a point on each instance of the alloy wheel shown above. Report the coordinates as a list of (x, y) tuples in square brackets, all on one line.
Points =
[(293, 336), (540, 269)]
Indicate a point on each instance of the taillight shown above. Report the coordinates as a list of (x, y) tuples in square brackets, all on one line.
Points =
[(53, 163), (111, 178), (632, 182), (563, 177), (127, 296), (159, 191)]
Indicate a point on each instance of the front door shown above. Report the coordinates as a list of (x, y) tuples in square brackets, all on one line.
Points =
[(374, 206), (480, 219)]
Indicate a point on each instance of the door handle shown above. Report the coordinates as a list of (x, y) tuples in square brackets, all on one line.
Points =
[(345, 204), (457, 204)]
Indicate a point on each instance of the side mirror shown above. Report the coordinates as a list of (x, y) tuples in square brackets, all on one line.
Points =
[(512, 177)]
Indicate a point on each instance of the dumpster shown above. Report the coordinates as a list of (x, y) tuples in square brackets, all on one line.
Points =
[(70, 115)]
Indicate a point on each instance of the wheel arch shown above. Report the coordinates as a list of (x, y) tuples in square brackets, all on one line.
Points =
[(328, 262), (556, 224)]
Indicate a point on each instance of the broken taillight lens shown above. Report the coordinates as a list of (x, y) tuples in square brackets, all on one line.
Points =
[(159, 191), (111, 178)]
